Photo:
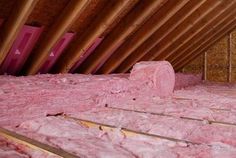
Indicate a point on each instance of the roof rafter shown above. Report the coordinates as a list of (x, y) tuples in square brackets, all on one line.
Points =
[(13, 25), (142, 34), (98, 26), (61, 26), (138, 53)]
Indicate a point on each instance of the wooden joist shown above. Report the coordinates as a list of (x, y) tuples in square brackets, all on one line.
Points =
[(13, 25), (125, 131), (59, 28), (142, 34), (104, 19), (33, 144), (176, 37), (217, 22), (181, 117), (204, 45), (170, 25), (130, 23)]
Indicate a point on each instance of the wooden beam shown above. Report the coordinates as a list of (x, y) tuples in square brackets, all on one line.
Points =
[(229, 52), (104, 19), (226, 7), (196, 20), (130, 23), (219, 20), (199, 42), (147, 29), (205, 66), (169, 26), (205, 45), (13, 25), (33, 144), (59, 28)]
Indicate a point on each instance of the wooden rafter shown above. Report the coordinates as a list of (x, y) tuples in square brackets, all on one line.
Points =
[(184, 13), (128, 25), (192, 55), (175, 36), (227, 14), (61, 26), (196, 42), (13, 25), (142, 34), (98, 26)]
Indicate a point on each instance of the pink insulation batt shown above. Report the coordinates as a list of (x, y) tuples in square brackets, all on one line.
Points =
[(193, 121)]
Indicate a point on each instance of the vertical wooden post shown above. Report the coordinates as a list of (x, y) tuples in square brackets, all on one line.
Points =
[(229, 52), (205, 66)]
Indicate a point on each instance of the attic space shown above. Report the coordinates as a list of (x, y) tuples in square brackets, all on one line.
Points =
[(117, 78)]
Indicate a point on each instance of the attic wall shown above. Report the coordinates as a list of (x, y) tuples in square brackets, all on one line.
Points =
[(217, 67)]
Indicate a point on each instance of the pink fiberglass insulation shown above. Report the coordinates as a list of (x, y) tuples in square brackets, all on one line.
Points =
[(124, 102), (183, 80), (158, 75)]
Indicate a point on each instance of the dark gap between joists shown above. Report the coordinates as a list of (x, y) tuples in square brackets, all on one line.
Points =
[(34, 144)]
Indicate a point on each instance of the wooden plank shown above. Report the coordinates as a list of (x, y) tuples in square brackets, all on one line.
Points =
[(205, 66), (203, 46), (125, 131), (58, 29), (169, 26), (182, 117), (229, 52), (33, 144), (144, 32), (188, 27), (97, 27), (217, 22), (13, 25), (130, 23)]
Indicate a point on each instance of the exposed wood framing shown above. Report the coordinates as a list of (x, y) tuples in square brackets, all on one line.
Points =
[(196, 20), (33, 144), (171, 25), (205, 45), (128, 25), (142, 34), (219, 21), (98, 26), (229, 52), (13, 25), (59, 28), (205, 66)]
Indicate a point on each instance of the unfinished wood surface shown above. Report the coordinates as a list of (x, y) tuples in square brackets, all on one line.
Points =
[(81, 44), (33, 144), (142, 34), (58, 29), (136, 17), (219, 20), (229, 55), (170, 25), (194, 43), (205, 45), (205, 66), (13, 25), (176, 37)]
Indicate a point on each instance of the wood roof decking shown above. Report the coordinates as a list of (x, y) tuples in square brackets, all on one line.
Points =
[(133, 30)]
